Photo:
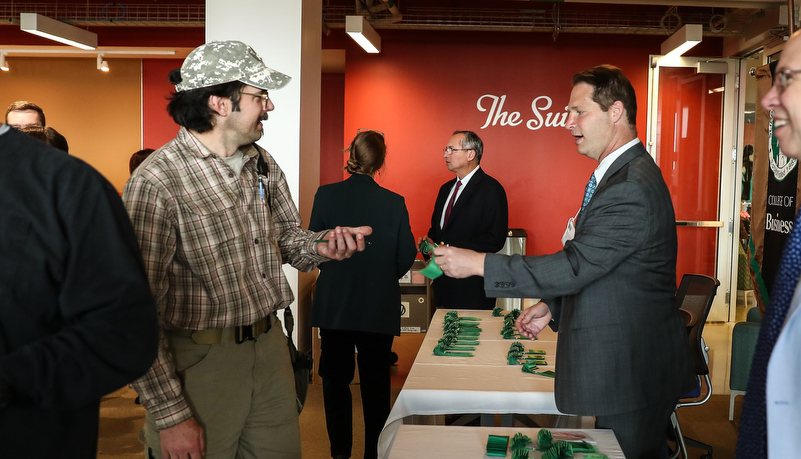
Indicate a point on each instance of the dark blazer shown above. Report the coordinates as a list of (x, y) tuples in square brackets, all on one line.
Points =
[(362, 292), (77, 318), (622, 345), (478, 221)]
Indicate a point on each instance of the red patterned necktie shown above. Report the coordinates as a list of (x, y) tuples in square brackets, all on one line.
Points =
[(453, 200)]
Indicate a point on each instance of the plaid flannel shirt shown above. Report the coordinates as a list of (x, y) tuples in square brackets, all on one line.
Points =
[(213, 249)]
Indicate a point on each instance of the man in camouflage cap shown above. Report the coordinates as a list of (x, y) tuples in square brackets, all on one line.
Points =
[(215, 221)]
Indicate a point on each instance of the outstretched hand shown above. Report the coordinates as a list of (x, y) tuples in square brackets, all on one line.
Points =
[(343, 242), (459, 263), (533, 320)]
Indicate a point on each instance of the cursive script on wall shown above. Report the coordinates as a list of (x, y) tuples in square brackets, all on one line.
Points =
[(540, 117)]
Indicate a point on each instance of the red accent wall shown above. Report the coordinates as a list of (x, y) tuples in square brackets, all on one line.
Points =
[(332, 101), (423, 86), (157, 125)]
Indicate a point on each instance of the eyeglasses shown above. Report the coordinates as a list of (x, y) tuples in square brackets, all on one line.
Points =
[(784, 78), (360, 130), (450, 150), (265, 98)]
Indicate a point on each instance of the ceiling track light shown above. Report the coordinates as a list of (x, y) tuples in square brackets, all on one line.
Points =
[(681, 41), (56, 30), (3, 63), (364, 34), (101, 64)]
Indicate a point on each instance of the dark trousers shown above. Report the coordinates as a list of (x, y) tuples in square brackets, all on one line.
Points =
[(29, 431), (641, 433), (337, 365)]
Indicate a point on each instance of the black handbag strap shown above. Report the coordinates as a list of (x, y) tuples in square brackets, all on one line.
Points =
[(261, 164), (289, 324)]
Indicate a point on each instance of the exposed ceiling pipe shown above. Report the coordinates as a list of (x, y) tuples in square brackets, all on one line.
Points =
[(371, 6)]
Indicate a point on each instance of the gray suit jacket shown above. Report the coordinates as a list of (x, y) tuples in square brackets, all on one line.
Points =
[(622, 345)]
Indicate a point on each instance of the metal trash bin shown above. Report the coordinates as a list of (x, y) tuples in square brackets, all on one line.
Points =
[(515, 244)]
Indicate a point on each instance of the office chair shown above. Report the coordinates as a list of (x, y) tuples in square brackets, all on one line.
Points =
[(743, 343), (694, 296)]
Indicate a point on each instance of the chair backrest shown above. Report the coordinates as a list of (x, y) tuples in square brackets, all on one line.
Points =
[(754, 315), (695, 294)]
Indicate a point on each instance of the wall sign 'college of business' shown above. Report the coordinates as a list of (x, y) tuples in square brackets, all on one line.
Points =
[(539, 118)]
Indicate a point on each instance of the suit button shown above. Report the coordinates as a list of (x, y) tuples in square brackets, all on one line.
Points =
[(497, 284), (511, 284)]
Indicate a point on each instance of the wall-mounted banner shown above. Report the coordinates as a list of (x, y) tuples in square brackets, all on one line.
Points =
[(775, 198), (780, 206)]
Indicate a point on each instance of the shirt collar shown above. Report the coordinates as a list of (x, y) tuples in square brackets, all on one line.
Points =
[(185, 136), (469, 176), (607, 162)]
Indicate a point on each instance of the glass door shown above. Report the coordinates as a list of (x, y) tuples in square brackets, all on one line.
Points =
[(692, 107)]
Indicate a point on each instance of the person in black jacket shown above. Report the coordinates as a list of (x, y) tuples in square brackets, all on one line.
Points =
[(471, 212), (357, 301), (77, 320)]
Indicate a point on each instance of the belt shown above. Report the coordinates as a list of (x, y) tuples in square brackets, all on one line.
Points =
[(238, 334)]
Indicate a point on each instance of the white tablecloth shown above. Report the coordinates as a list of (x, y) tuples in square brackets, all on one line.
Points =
[(484, 383), (438, 442)]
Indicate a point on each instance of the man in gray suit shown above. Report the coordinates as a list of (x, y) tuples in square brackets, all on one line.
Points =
[(622, 353)]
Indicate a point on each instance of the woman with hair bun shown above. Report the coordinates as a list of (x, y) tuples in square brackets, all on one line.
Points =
[(357, 301)]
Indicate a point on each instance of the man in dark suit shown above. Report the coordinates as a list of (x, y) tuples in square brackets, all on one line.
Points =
[(471, 212), (622, 352)]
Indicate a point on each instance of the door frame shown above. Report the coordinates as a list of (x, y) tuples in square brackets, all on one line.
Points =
[(730, 187)]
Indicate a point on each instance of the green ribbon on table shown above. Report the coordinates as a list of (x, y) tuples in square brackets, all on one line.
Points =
[(535, 360), (439, 350), (531, 367), (508, 330), (515, 353), (460, 330), (496, 445), (560, 450), (545, 442), (451, 315), (520, 454), (451, 337), (455, 345), (520, 441)]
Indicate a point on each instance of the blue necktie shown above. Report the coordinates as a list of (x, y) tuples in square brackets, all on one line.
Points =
[(752, 438), (588, 191)]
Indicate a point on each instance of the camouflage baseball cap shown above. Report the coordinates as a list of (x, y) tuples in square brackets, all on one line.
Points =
[(225, 61)]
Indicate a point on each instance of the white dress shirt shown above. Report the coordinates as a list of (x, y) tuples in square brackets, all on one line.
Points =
[(783, 387)]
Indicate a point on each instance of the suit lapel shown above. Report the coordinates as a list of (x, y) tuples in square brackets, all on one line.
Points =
[(624, 159), (619, 163)]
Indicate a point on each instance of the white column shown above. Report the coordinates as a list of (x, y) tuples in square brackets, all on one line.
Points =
[(287, 34)]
